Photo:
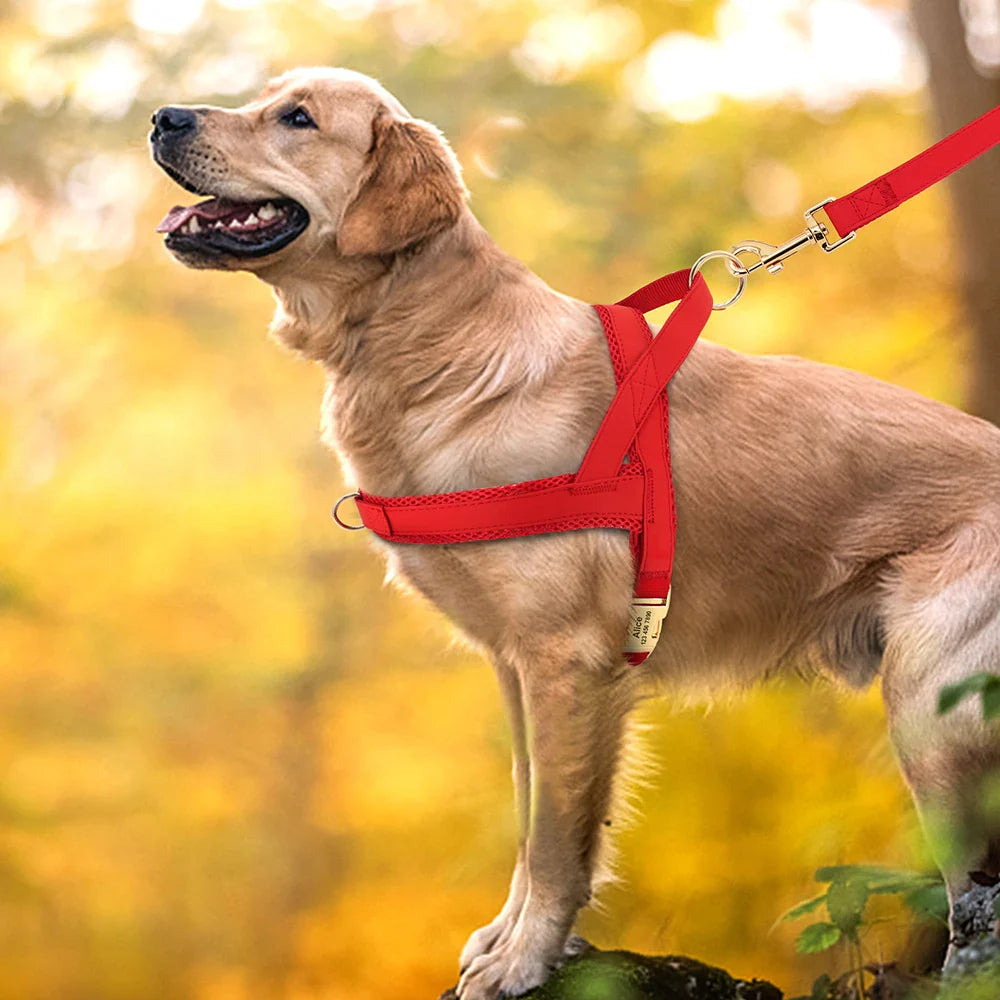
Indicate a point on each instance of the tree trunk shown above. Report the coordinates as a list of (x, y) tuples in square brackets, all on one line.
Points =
[(960, 93)]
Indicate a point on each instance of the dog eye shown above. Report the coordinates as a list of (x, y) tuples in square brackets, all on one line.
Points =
[(297, 118)]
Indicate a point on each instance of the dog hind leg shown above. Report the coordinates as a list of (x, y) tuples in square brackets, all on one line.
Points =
[(943, 625)]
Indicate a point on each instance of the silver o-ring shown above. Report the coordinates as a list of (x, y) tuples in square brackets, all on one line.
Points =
[(737, 268), (336, 516)]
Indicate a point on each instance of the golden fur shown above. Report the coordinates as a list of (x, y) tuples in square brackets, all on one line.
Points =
[(824, 518)]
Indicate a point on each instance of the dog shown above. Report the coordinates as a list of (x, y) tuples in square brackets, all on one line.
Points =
[(825, 520)]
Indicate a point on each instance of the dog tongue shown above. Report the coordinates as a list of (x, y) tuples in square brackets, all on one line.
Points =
[(214, 208)]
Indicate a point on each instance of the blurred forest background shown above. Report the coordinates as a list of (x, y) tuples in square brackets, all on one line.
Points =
[(232, 765)]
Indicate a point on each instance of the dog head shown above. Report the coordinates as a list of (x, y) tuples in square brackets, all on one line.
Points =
[(321, 161)]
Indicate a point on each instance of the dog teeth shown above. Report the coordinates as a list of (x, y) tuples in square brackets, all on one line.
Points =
[(264, 215)]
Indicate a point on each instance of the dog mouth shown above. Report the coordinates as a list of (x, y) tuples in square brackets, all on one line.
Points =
[(220, 226)]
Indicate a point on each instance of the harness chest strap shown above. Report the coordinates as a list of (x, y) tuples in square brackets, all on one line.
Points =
[(637, 495)]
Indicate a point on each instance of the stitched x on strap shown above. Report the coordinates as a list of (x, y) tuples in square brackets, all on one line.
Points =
[(646, 379)]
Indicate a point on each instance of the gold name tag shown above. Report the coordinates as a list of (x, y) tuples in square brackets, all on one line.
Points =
[(646, 616)]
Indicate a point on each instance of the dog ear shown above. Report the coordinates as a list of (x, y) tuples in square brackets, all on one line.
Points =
[(412, 189)]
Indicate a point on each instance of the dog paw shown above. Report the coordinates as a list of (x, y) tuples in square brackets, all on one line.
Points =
[(502, 925), (513, 967), (481, 941)]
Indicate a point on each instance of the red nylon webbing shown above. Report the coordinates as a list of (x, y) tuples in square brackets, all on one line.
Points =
[(648, 376), (669, 288), (653, 542), (872, 200), (529, 508)]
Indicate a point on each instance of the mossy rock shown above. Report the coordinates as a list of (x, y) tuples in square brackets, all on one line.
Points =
[(625, 975)]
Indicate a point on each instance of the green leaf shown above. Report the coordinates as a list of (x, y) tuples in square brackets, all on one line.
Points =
[(871, 873), (817, 937), (821, 988), (846, 902), (909, 883), (929, 901), (949, 697), (801, 909), (951, 694), (996, 907), (991, 699)]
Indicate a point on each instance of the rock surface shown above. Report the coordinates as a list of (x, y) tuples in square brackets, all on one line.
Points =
[(972, 971), (625, 975), (974, 915), (975, 951)]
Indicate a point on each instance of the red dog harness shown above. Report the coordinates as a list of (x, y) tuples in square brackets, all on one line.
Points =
[(624, 480)]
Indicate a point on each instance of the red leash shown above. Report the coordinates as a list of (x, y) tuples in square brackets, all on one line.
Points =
[(869, 202), (636, 494)]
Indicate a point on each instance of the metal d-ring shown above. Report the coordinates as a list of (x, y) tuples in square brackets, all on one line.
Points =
[(736, 267), (336, 516)]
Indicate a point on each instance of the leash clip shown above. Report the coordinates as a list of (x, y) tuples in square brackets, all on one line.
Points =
[(820, 230), (772, 257)]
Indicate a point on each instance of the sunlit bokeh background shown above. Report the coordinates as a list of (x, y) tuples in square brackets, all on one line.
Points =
[(232, 765)]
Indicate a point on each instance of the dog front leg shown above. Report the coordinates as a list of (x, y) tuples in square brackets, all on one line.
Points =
[(484, 939), (576, 712)]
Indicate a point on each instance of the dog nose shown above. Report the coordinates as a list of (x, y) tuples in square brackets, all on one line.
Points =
[(173, 122)]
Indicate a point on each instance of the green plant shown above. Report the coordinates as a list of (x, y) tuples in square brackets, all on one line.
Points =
[(820, 989), (849, 888), (985, 684)]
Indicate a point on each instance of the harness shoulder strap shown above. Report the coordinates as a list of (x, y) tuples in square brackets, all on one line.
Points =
[(641, 387)]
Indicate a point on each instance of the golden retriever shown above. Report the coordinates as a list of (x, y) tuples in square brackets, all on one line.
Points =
[(824, 517)]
